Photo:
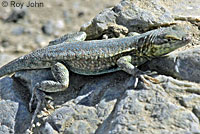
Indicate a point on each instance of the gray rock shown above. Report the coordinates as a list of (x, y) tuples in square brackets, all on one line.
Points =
[(9, 93), (60, 24), (150, 111), (5, 42), (7, 119), (190, 101), (16, 15), (98, 25), (183, 65), (67, 17), (88, 108), (108, 103), (47, 129), (130, 14), (102, 107), (141, 16), (18, 30), (48, 28), (196, 111), (40, 40), (74, 119)]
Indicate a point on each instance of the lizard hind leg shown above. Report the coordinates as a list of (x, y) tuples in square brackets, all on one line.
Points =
[(61, 75)]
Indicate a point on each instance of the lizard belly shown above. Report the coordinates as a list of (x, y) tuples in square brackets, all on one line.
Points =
[(92, 67), (93, 72)]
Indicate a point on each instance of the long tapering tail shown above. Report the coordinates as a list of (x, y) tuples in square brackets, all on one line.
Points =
[(12, 66), (22, 63)]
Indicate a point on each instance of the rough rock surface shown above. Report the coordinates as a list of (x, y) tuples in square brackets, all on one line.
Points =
[(183, 65), (14, 114), (153, 110), (108, 103), (140, 16), (7, 119)]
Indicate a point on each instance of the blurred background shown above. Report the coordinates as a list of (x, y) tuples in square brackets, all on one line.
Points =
[(24, 29)]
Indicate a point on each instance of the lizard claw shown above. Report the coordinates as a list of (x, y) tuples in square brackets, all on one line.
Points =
[(135, 82), (144, 76), (32, 96), (154, 80), (151, 79), (148, 72)]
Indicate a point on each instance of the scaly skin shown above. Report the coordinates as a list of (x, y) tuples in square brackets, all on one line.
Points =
[(100, 56), (95, 57)]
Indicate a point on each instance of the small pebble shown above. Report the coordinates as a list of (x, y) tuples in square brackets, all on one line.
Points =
[(39, 40), (16, 15), (48, 28), (18, 30), (80, 14), (60, 24)]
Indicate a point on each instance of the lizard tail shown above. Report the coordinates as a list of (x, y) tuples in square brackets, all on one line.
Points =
[(11, 67), (15, 65)]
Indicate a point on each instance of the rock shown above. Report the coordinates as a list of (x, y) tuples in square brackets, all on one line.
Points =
[(196, 111), (67, 17), (92, 104), (19, 117), (81, 13), (189, 101), (16, 15), (102, 106), (109, 103), (60, 24), (150, 111), (18, 30), (47, 129), (40, 40), (130, 14), (7, 119), (5, 42), (78, 119), (183, 65), (141, 16), (33, 77), (48, 28), (100, 23)]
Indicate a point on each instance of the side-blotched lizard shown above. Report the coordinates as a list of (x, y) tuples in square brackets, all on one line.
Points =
[(97, 56)]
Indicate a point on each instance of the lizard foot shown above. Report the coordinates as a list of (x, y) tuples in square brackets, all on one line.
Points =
[(40, 97), (144, 76), (151, 79)]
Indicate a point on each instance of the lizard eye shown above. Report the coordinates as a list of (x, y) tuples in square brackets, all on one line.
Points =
[(169, 39)]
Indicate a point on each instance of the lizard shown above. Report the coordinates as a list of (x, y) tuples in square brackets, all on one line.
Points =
[(96, 57)]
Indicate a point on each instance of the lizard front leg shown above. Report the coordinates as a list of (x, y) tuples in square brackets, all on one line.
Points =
[(124, 63), (59, 71), (61, 75)]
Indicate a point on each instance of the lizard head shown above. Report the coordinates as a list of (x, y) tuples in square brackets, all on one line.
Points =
[(167, 40)]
